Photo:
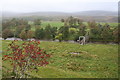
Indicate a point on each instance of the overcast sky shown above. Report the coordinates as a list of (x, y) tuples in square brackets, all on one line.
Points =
[(58, 5)]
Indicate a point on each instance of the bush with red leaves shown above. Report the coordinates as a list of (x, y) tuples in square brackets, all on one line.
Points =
[(25, 57)]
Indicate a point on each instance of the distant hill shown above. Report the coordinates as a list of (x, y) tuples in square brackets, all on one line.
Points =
[(97, 13), (100, 16)]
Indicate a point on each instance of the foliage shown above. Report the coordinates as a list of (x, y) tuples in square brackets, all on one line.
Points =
[(19, 30), (116, 34), (59, 37), (101, 33), (72, 22), (28, 27), (26, 35), (37, 22), (5, 25), (25, 57), (62, 20), (48, 30), (53, 32), (48, 33), (82, 30), (106, 34), (30, 34), (39, 33), (7, 33), (92, 24), (65, 32), (73, 32), (95, 61)]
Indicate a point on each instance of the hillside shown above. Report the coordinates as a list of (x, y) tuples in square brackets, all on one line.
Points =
[(94, 61), (99, 16)]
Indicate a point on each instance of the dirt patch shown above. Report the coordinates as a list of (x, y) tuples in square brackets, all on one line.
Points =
[(74, 53)]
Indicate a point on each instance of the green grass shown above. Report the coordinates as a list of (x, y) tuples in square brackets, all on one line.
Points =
[(58, 24), (95, 61), (112, 25), (52, 23)]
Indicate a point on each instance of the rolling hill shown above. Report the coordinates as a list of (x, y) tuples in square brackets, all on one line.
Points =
[(99, 16)]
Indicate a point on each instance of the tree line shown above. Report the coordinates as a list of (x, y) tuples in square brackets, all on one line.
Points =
[(71, 30)]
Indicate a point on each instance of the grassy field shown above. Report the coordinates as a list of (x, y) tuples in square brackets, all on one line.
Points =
[(58, 24), (112, 25), (52, 23), (94, 61)]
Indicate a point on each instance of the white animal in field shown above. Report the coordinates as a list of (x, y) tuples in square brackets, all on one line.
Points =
[(81, 40)]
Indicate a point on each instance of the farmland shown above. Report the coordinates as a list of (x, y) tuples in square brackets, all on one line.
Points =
[(66, 39), (94, 61), (58, 24), (67, 60)]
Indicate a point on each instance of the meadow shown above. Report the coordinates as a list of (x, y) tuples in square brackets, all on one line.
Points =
[(94, 61), (58, 24)]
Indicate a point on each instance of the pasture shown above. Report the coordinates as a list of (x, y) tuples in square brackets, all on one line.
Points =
[(94, 61), (58, 24)]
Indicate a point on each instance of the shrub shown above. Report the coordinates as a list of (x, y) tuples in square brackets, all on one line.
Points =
[(26, 57), (59, 37)]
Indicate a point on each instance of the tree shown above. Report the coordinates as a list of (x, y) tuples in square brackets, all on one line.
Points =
[(65, 32), (21, 22), (73, 33), (13, 23), (27, 27), (71, 21), (72, 30), (74, 21), (19, 30), (92, 24), (16, 22), (106, 34), (39, 33), (53, 32), (59, 37), (116, 35), (30, 34), (26, 35), (23, 35), (62, 20), (5, 25), (48, 33), (82, 30), (25, 57), (7, 33), (37, 22), (80, 21), (95, 31)]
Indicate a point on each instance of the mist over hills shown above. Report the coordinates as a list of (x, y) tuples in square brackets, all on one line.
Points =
[(100, 16), (98, 13)]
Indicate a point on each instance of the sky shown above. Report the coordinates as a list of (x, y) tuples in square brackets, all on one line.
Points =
[(58, 5)]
